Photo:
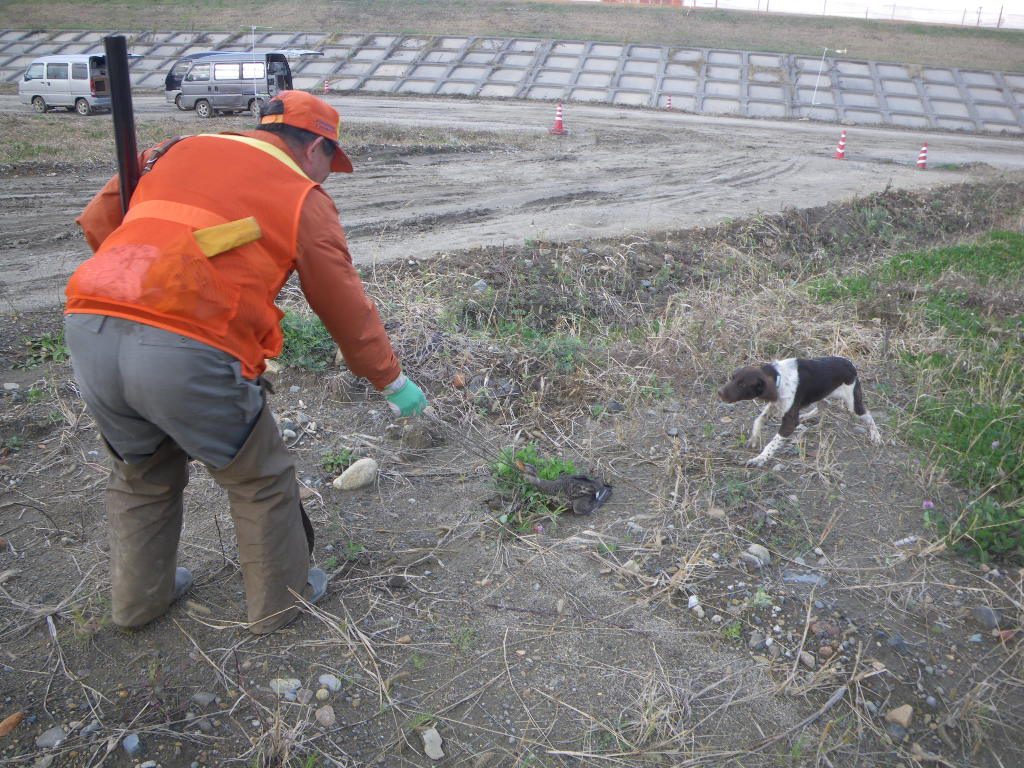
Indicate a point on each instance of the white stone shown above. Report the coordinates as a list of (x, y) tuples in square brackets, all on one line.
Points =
[(329, 681), (760, 553), (284, 685), (693, 602), (10, 386), (753, 560), (432, 744), (51, 738), (361, 474)]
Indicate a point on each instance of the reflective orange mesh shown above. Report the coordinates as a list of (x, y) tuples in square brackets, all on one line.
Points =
[(150, 268)]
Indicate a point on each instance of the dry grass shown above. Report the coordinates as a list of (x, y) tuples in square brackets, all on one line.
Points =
[(38, 142), (916, 43), (492, 662)]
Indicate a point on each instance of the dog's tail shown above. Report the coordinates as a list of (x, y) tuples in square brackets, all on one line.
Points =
[(858, 399)]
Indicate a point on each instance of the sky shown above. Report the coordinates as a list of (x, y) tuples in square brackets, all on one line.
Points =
[(937, 11)]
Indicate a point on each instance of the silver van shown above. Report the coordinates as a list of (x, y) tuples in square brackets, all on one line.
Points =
[(73, 81), (233, 82), (172, 82)]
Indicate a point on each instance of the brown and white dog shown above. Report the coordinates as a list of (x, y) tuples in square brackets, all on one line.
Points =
[(791, 384)]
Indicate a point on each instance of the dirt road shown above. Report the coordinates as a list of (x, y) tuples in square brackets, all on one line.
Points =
[(618, 172)]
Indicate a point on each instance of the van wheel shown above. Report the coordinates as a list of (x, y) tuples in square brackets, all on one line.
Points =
[(38, 104), (255, 105), (177, 102), (82, 107), (203, 108)]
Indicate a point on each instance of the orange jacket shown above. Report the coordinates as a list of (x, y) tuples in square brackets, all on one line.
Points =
[(147, 266)]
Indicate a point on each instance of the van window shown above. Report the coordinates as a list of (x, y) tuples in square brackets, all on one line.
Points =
[(198, 72), (253, 70), (79, 70), (57, 71), (225, 71), (35, 72)]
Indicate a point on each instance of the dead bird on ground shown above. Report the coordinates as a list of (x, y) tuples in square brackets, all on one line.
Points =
[(582, 494)]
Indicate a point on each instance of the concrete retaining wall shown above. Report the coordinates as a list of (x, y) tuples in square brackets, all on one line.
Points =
[(705, 81)]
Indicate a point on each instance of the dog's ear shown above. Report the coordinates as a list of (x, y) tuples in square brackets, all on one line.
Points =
[(766, 384)]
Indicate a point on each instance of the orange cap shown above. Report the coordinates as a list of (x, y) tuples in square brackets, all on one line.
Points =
[(304, 110)]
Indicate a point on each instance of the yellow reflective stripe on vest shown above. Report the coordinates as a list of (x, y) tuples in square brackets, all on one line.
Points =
[(262, 146), (180, 213)]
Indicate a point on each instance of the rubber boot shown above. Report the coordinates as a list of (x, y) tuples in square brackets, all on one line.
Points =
[(273, 547), (144, 515)]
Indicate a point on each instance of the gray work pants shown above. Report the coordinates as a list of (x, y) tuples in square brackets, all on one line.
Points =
[(159, 398)]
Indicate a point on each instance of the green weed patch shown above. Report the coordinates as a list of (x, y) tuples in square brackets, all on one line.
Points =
[(999, 256), (307, 344), (47, 347), (970, 413)]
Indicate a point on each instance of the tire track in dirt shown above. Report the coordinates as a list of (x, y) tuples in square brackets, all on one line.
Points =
[(619, 172)]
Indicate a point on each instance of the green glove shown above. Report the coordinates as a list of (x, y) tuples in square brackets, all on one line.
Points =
[(404, 397)]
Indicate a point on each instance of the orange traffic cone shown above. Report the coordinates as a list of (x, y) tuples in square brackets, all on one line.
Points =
[(558, 129), (668, 105), (922, 158), (841, 146)]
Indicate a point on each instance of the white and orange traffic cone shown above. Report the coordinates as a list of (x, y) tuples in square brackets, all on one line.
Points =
[(668, 104), (922, 157), (841, 146), (558, 129)]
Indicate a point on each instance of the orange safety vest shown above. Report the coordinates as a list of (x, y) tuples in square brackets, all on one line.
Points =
[(151, 269)]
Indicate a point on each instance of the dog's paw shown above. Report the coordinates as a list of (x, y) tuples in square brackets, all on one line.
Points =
[(752, 441), (875, 437), (757, 461)]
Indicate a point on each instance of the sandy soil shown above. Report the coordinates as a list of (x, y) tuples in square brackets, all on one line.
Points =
[(570, 643), (618, 172)]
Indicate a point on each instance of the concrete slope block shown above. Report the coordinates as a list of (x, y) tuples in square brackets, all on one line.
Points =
[(698, 80)]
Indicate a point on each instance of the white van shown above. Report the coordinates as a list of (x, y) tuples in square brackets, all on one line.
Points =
[(73, 81), (235, 81)]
